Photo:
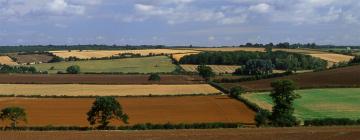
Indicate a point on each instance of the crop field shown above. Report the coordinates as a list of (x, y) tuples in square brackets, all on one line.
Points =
[(7, 61), (298, 133), (96, 79), (216, 68), (126, 65), (341, 77), (104, 90), (319, 103), (177, 57), (160, 110), (335, 58), (87, 54), (31, 58)]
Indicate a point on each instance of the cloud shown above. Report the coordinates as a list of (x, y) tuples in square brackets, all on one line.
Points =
[(260, 8)]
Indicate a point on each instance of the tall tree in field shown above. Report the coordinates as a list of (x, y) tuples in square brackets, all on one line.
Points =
[(283, 96), (74, 69), (206, 72), (104, 109), (14, 114)]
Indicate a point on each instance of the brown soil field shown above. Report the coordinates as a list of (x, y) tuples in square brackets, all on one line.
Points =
[(300, 133), (7, 61), (160, 110), (341, 77), (86, 54), (219, 69), (95, 79), (105, 90), (31, 58)]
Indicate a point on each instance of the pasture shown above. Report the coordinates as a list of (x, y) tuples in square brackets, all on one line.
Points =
[(126, 65), (219, 69), (158, 110), (318, 103), (104, 90), (7, 61)]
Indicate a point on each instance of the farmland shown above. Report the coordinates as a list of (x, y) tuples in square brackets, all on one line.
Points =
[(186, 109), (104, 90), (7, 61), (31, 58), (299, 133), (96, 79), (126, 65), (319, 103), (219, 69), (87, 54), (341, 77)]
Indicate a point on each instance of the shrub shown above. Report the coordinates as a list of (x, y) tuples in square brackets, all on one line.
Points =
[(154, 77), (262, 118), (235, 92), (74, 69)]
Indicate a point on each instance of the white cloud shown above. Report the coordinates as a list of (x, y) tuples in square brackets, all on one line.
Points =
[(260, 8)]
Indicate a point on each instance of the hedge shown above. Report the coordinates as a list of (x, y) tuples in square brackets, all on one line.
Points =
[(331, 121)]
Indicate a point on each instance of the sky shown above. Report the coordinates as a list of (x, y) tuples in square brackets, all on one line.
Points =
[(179, 22)]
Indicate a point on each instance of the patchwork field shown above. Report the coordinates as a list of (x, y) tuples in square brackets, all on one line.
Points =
[(319, 103), (96, 79), (86, 54), (298, 133), (7, 61), (341, 77), (31, 58), (224, 69), (185, 109), (104, 90), (177, 57), (334, 58), (127, 65)]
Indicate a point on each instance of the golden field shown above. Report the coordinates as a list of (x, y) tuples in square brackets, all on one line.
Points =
[(216, 68), (104, 90), (7, 61)]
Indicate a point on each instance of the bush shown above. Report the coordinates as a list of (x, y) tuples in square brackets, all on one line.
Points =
[(235, 92), (154, 77), (262, 118), (331, 121), (74, 69)]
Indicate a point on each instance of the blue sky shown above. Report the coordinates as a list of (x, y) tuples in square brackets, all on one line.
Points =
[(179, 22)]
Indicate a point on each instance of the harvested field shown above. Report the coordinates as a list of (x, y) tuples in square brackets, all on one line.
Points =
[(31, 58), (318, 103), (219, 69), (104, 90), (297, 133), (7, 61), (126, 65), (87, 54), (95, 79), (177, 57), (160, 110), (340, 77), (334, 58)]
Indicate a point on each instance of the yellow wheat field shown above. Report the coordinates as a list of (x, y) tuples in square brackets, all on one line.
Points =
[(216, 68), (335, 58), (177, 57), (7, 61), (86, 54), (104, 90)]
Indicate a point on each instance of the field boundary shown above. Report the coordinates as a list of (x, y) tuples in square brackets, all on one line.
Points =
[(90, 96)]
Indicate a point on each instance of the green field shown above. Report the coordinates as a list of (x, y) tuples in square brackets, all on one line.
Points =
[(319, 103), (127, 65)]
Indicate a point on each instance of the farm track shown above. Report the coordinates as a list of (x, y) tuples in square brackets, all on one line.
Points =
[(301, 133), (340, 77), (157, 110), (95, 79)]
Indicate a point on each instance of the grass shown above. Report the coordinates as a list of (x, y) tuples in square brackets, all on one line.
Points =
[(128, 65), (319, 103)]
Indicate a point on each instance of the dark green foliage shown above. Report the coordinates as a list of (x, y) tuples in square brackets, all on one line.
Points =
[(56, 59), (104, 109), (74, 69), (72, 58), (331, 121), (257, 67), (14, 114), (280, 59), (283, 96), (262, 118), (154, 77), (235, 92), (206, 72), (17, 69), (355, 60)]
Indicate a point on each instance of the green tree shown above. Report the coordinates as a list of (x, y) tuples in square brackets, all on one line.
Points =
[(206, 72), (235, 92), (74, 69), (262, 118), (258, 67), (56, 59), (104, 109), (14, 114), (154, 77), (283, 96)]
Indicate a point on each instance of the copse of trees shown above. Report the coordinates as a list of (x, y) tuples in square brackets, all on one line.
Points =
[(255, 67), (13, 114), (205, 72), (17, 69), (74, 69), (280, 59), (104, 109)]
